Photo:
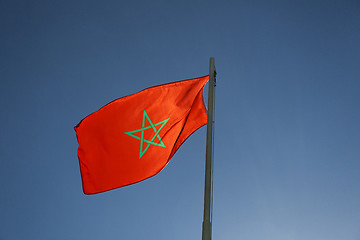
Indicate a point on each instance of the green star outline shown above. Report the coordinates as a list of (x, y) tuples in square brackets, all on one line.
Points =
[(156, 131)]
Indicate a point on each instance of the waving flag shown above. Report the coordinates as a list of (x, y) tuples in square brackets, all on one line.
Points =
[(134, 137)]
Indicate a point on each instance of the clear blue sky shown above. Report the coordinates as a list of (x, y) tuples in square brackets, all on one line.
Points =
[(287, 143)]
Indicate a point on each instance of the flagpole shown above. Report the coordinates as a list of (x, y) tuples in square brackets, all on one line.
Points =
[(207, 222)]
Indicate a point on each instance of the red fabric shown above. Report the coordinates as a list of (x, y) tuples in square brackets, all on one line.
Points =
[(110, 153)]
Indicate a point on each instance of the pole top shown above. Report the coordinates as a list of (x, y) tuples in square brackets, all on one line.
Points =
[(213, 68)]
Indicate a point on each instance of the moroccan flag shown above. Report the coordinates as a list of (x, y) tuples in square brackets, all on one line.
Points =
[(134, 137)]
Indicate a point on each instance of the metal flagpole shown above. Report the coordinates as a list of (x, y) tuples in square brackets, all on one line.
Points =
[(207, 222)]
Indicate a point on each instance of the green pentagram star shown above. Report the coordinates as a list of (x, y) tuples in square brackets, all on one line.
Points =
[(156, 135)]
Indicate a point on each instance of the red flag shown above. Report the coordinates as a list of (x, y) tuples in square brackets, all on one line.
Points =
[(134, 137)]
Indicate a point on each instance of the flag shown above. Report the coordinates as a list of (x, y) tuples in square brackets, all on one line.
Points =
[(134, 137)]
